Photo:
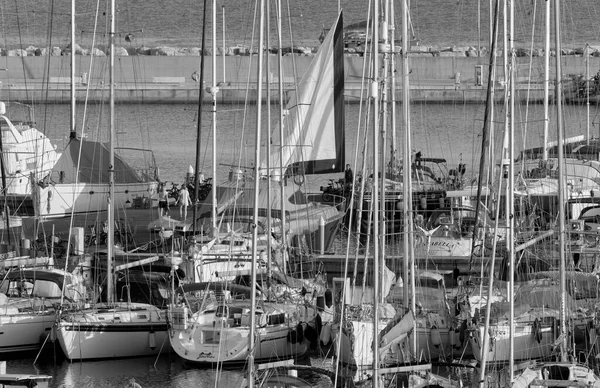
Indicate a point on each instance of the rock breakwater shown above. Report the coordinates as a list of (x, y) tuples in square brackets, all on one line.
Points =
[(241, 50)]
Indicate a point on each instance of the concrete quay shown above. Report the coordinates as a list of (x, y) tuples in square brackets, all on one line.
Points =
[(173, 79)]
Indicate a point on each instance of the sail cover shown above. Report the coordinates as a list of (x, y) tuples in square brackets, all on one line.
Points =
[(313, 128), (92, 167)]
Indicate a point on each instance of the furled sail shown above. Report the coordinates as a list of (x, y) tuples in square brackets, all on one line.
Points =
[(314, 121)]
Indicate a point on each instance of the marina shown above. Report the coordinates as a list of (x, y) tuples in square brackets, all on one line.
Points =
[(371, 214)]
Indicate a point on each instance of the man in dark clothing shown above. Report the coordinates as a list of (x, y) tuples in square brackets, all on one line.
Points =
[(348, 175)]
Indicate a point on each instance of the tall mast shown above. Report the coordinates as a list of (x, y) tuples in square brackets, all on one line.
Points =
[(111, 158), (561, 182), (223, 56), (511, 185), (73, 133), (546, 79), (384, 122), (251, 333), (199, 125), (407, 175), (375, 196), (268, 135), (281, 119), (587, 94), (213, 92), (392, 33), (487, 120)]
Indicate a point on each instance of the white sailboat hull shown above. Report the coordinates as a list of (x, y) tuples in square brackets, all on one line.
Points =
[(25, 332), (222, 334), (527, 345), (113, 333), (61, 200), (207, 344)]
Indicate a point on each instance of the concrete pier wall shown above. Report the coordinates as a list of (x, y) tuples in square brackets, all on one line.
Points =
[(164, 79)]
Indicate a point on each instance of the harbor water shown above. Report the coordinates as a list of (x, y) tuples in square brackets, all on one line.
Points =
[(451, 131)]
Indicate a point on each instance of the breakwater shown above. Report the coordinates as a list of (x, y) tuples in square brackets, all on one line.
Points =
[(169, 76)]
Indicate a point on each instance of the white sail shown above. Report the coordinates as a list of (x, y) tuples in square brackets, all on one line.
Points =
[(314, 124)]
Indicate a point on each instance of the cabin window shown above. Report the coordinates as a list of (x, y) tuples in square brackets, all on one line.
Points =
[(46, 289), (210, 336), (556, 372), (222, 311), (17, 288), (276, 319)]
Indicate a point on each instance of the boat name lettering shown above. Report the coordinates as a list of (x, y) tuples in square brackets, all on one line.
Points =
[(442, 243)]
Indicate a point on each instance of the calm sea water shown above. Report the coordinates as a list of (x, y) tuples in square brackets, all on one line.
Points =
[(451, 131), (179, 22)]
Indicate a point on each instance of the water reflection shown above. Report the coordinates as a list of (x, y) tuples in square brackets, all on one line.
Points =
[(164, 372)]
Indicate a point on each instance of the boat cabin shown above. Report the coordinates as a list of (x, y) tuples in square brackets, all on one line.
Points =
[(41, 284)]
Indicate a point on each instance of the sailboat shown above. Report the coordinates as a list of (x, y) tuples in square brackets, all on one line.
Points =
[(77, 183), (380, 339), (30, 303), (530, 327), (113, 329), (29, 157), (312, 142), (222, 330), (48, 183), (566, 371)]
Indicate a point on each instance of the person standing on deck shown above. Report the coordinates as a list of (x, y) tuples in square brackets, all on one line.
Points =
[(163, 201), (183, 201)]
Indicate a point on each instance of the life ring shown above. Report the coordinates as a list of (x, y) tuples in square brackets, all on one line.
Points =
[(299, 179), (537, 329), (195, 76)]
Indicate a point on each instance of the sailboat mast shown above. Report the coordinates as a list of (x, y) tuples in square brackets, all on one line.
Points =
[(213, 92), (561, 182), (408, 252), (392, 33), (384, 122), (269, 137), (111, 158), (375, 196), (199, 125), (587, 94), (281, 119), (224, 73), (511, 184), (406, 162), (488, 121), (546, 79), (73, 133), (259, 74)]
